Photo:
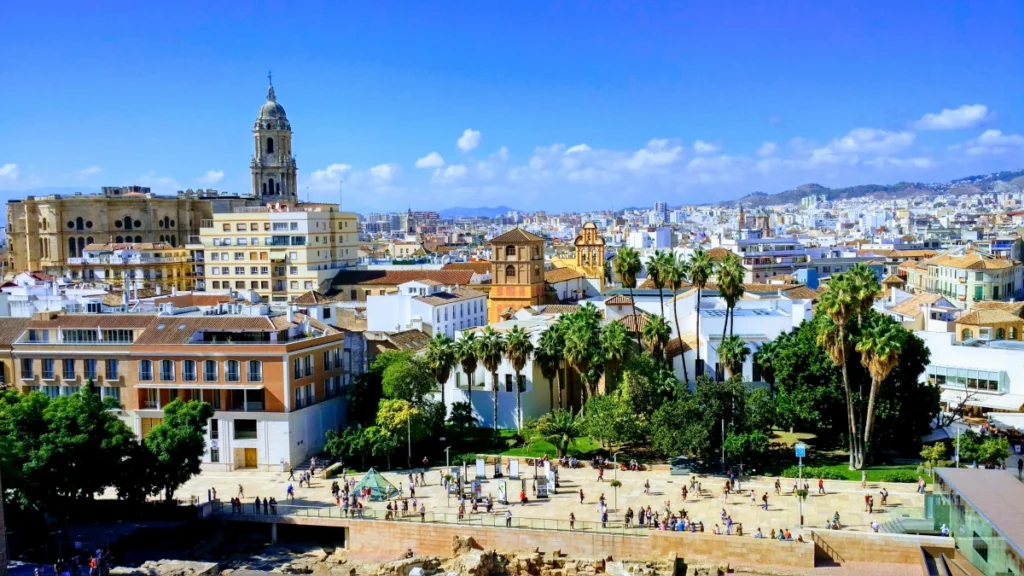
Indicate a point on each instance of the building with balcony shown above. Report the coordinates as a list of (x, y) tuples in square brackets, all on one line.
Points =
[(429, 306), (279, 251), (275, 381), (765, 256), (143, 265), (966, 277)]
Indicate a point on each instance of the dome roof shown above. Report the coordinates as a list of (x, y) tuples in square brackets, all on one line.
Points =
[(272, 114)]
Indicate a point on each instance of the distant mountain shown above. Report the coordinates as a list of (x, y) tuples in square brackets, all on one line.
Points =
[(969, 185), (484, 211)]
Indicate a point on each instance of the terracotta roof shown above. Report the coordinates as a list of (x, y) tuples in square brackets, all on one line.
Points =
[(912, 253), (192, 299), (893, 279), (113, 321), (618, 300), (1011, 307), (179, 329), (689, 343), (41, 276), (555, 308), (409, 339), (479, 267), (801, 292), (912, 306), (717, 253), (456, 295), (11, 329), (562, 275), (516, 236), (971, 261), (312, 298), (987, 317), (396, 277), (634, 322)]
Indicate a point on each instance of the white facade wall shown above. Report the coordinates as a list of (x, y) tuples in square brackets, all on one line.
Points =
[(1007, 362)]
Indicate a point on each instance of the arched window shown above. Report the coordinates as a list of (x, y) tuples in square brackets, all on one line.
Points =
[(127, 222), (79, 223), (271, 185), (81, 245), (88, 240), (119, 239), (966, 334), (510, 251), (510, 271), (1000, 334), (71, 247), (138, 239), (264, 188), (1013, 333), (174, 241), (270, 145), (278, 189)]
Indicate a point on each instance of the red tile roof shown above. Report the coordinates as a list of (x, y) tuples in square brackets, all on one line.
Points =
[(396, 277)]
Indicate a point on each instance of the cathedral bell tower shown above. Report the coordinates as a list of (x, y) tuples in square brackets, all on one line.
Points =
[(273, 167)]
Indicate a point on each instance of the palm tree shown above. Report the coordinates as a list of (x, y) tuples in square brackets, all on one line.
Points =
[(732, 353), (736, 290), (549, 354), (700, 270), (657, 333), (675, 275), (840, 304), (465, 354), (730, 284), (880, 346), (765, 359), (440, 356), (489, 350), (616, 346), (561, 428), (583, 343), (627, 266), (657, 270), (518, 349), (866, 289)]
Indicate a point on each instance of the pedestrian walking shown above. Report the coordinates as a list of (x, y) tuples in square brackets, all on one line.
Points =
[(581, 495), (572, 521), (764, 501), (508, 519), (291, 474), (821, 485), (647, 486), (241, 492), (863, 479)]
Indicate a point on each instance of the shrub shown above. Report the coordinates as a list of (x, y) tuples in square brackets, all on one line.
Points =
[(899, 476), (814, 472)]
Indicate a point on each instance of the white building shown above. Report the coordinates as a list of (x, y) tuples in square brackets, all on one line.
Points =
[(427, 305), (650, 239)]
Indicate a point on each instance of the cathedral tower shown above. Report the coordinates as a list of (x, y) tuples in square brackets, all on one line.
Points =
[(273, 166)]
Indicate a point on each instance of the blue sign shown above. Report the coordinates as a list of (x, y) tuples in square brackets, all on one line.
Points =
[(801, 450)]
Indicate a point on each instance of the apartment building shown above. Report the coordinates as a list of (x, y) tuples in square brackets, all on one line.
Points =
[(143, 265), (427, 305), (280, 251), (966, 278), (765, 256), (275, 381)]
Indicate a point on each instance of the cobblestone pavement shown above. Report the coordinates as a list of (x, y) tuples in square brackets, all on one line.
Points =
[(844, 497)]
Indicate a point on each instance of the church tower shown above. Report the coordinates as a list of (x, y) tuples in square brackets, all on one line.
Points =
[(273, 167), (517, 273), (590, 254)]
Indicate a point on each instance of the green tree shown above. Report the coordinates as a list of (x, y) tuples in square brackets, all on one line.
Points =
[(582, 336), (601, 419), (760, 411), (490, 349), (408, 378), (730, 275), (627, 267), (179, 442), (676, 273), (461, 417), (658, 270), (880, 345), (733, 352), (561, 428), (518, 350), (994, 451), (441, 360), (351, 444), (365, 391), (549, 354), (465, 353), (700, 271), (678, 427), (657, 333), (932, 454), (616, 349), (840, 303), (747, 447)]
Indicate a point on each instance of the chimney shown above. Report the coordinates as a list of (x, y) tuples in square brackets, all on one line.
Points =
[(158, 290), (291, 313), (892, 295), (174, 290)]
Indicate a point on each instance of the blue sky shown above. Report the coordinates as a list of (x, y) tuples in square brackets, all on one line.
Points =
[(533, 105)]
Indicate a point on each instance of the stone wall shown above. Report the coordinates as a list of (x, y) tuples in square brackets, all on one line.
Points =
[(870, 547)]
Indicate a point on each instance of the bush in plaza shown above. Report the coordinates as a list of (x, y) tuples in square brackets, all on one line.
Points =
[(814, 472), (899, 476)]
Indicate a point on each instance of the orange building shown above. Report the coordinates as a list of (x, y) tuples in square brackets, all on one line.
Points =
[(517, 273)]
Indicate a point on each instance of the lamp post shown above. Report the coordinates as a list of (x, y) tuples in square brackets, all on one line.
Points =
[(408, 431)]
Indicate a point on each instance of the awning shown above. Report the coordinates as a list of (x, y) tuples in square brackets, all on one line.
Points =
[(1008, 402), (201, 386)]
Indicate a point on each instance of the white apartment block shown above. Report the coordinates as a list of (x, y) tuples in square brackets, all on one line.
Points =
[(429, 306)]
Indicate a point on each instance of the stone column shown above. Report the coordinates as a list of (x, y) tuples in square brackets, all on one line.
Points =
[(273, 533)]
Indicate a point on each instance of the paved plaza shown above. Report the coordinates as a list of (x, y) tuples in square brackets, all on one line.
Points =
[(844, 497)]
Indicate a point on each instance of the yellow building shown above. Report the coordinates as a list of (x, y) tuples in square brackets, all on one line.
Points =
[(143, 265), (517, 273), (589, 257), (280, 252), (43, 233)]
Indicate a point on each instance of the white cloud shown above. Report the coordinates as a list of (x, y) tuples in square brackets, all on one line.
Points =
[(861, 142), (9, 171), (992, 142), (658, 153), (577, 149), (767, 149), (384, 172), (86, 173), (432, 160), (886, 162), (330, 175), (211, 177), (469, 140), (591, 175), (702, 147), (451, 173), (159, 183), (966, 116), (501, 155)]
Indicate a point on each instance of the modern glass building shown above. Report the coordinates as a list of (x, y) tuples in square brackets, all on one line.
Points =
[(984, 510)]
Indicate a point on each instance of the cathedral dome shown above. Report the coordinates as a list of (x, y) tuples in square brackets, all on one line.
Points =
[(272, 114)]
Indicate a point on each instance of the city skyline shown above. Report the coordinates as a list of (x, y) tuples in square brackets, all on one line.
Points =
[(629, 108)]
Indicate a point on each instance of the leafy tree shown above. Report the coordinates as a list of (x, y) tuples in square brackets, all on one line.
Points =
[(657, 333), (677, 427), (700, 271), (932, 454), (489, 350), (393, 417), (760, 411), (747, 447), (465, 354), (676, 272), (364, 391), (549, 354), (994, 451), (350, 444), (616, 348), (730, 274), (518, 349), (733, 352), (601, 419), (658, 267), (461, 416), (407, 378), (441, 359), (561, 428), (627, 265), (179, 442), (582, 335), (880, 346)]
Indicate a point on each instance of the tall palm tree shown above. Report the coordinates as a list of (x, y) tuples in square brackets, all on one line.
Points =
[(730, 284), (840, 304), (583, 343), (732, 353), (490, 349), (866, 288), (736, 291), (657, 270), (561, 428), (518, 349), (765, 359), (700, 271), (549, 354), (675, 276), (616, 346), (880, 345), (440, 356), (465, 354), (627, 266), (657, 333)]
